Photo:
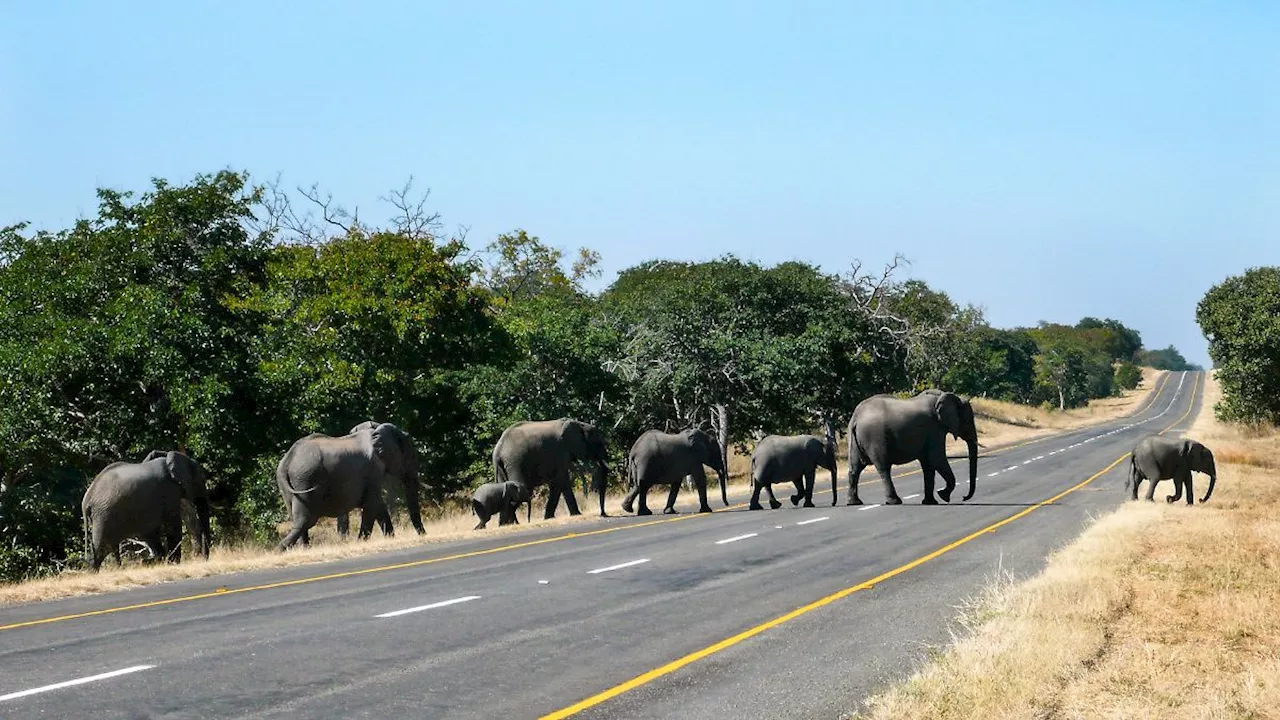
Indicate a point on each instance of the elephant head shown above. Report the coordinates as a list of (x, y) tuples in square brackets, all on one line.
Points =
[(708, 450), (955, 414), (189, 476), (1200, 459), (585, 443), (394, 448)]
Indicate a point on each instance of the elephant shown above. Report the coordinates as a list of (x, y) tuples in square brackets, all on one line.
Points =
[(501, 499), (538, 452), (886, 431), (658, 458), (793, 458), (145, 501), (344, 520), (1157, 458), (321, 476)]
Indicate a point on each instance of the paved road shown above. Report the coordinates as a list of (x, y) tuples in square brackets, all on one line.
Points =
[(791, 613)]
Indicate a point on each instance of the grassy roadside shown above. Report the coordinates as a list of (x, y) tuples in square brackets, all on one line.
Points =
[(1156, 611), (999, 424)]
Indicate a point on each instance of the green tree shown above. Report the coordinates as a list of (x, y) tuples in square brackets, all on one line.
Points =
[(1128, 376), (1167, 359), (1241, 319)]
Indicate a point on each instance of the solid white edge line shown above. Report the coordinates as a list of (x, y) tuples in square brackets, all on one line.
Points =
[(736, 539), (619, 566), (77, 681), (806, 522), (432, 606), (869, 507)]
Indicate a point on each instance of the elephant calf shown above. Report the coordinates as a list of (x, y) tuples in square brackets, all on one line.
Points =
[(1157, 458), (498, 498), (144, 501), (659, 458), (793, 459)]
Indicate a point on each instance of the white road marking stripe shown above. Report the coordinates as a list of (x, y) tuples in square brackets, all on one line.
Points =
[(1028, 462), (1008, 469), (78, 681), (432, 606), (806, 522), (619, 566), (911, 496), (869, 507), (777, 527), (1039, 457), (736, 539), (994, 474)]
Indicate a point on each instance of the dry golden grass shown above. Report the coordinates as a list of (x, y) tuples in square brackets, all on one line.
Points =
[(1156, 611), (451, 525)]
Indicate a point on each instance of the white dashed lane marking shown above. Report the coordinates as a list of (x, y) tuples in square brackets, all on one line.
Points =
[(736, 538), (77, 681), (911, 496), (432, 606), (619, 566), (869, 507), (806, 522)]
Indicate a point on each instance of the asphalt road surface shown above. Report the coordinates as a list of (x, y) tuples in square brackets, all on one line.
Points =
[(796, 612)]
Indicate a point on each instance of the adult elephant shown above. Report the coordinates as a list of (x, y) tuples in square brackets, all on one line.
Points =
[(145, 501), (1157, 458), (542, 452), (658, 458), (322, 476), (794, 459), (886, 431), (344, 520)]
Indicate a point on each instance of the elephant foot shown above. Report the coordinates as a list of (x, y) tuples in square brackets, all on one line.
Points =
[(644, 511), (809, 503), (853, 501), (756, 506), (628, 507), (1172, 499), (704, 509), (479, 526), (928, 500), (893, 500), (668, 510), (945, 494), (775, 504), (795, 500)]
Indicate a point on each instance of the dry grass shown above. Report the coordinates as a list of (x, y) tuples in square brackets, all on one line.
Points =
[(457, 524), (1156, 611)]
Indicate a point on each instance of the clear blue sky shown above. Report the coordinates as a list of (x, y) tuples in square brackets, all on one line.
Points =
[(1044, 160)]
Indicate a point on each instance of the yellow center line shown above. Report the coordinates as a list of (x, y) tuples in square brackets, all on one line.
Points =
[(693, 657), (428, 561)]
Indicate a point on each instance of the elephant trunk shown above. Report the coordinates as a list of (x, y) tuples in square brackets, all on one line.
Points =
[(973, 467), (1212, 472), (599, 479), (412, 502), (202, 517)]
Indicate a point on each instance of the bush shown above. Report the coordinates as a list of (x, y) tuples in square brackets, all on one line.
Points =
[(1128, 376), (1241, 318)]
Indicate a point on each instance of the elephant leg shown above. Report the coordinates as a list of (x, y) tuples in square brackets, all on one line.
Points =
[(571, 502), (344, 525), (798, 495), (700, 483), (950, 478), (773, 501), (1187, 481), (1151, 490), (756, 486), (855, 472), (1136, 482), (890, 494), (302, 522), (670, 509), (173, 541), (384, 522), (482, 513), (808, 488), (553, 502), (642, 496), (928, 473), (629, 500), (155, 544)]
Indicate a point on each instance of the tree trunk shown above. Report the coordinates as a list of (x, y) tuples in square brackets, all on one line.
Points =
[(1062, 400), (720, 419)]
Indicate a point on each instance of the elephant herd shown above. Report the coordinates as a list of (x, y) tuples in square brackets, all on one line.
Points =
[(325, 476)]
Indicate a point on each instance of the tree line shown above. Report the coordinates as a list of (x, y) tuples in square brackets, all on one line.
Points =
[(226, 320)]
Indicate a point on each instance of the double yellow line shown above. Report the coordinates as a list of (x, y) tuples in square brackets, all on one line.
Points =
[(729, 642), (432, 561)]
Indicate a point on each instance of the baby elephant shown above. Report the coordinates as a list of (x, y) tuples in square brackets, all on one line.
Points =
[(1159, 458), (498, 498), (794, 459)]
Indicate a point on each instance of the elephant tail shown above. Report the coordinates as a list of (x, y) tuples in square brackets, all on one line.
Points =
[(1131, 478), (88, 534)]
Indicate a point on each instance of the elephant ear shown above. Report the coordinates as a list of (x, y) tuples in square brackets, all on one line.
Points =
[(153, 455), (386, 447), (366, 425), (946, 408), (574, 436), (182, 471)]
